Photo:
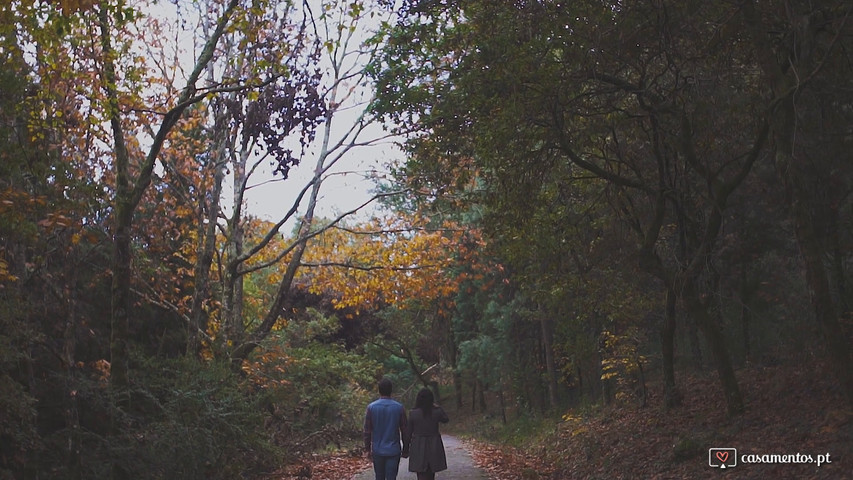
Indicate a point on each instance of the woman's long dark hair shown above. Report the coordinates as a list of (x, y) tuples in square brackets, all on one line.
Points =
[(424, 401)]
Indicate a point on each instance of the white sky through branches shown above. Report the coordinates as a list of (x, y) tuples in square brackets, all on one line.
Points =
[(349, 183)]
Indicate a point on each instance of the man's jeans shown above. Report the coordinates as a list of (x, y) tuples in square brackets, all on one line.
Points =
[(386, 467)]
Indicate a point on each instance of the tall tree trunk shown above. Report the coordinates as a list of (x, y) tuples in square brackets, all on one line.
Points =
[(651, 263), (234, 328), (457, 388), (823, 302), (642, 391), (120, 265), (209, 207), (745, 320), (481, 395), (206, 248), (579, 373), (546, 326), (672, 397), (696, 356), (453, 355), (204, 260), (698, 309), (72, 411), (502, 404), (747, 290)]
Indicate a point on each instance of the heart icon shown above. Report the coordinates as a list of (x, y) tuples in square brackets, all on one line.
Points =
[(722, 456)]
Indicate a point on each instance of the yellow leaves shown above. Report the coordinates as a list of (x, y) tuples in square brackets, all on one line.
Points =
[(610, 367), (183, 211), (571, 418), (574, 424), (621, 362), (5, 276), (384, 261)]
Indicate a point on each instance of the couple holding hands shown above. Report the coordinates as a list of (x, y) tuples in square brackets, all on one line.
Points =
[(386, 426)]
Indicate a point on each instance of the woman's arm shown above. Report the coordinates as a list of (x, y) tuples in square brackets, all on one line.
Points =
[(441, 414)]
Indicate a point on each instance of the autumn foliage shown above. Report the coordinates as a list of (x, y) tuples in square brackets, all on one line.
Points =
[(385, 262)]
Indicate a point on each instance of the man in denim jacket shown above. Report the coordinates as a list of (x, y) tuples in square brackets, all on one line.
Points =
[(385, 425)]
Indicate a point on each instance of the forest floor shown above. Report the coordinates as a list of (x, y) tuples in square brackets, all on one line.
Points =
[(791, 410)]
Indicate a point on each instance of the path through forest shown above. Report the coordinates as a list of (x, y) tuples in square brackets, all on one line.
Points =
[(460, 466)]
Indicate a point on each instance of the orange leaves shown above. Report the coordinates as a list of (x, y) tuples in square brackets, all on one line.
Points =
[(383, 262), (54, 220), (268, 369), (505, 462)]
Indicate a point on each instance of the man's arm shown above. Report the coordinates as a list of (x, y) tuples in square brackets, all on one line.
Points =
[(368, 431)]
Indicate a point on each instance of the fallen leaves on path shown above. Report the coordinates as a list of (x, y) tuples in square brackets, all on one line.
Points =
[(334, 466), (506, 463)]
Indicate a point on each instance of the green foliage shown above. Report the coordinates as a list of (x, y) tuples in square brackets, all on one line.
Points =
[(315, 389), (187, 419), (689, 447), (488, 355), (397, 370), (525, 431), (329, 384), (18, 434), (207, 411), (617, 156)]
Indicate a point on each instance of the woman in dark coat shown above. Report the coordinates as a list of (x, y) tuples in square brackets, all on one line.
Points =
[(426, 450)]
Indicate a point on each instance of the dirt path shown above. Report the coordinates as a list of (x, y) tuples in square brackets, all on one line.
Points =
[(459, 465)]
